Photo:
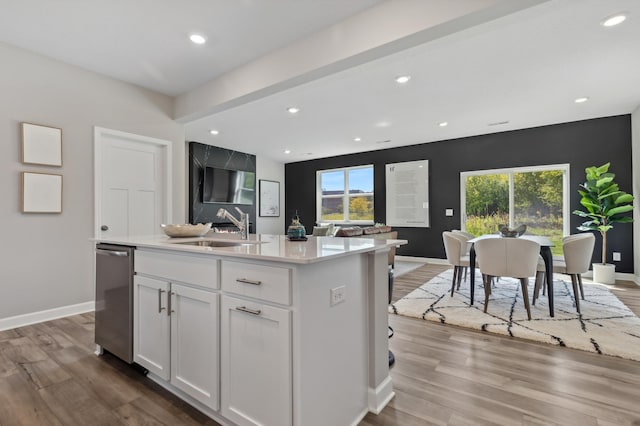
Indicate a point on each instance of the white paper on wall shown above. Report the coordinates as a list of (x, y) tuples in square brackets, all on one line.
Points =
[(407, 186)]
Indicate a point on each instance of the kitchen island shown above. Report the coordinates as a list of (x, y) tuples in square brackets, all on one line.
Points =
[(265, 330)]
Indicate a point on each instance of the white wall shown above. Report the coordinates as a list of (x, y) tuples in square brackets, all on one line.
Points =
[(46, 260), (635, 154), (270, 170)]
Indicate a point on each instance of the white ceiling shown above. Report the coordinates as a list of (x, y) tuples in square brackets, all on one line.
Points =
[(525, 69), (145, 42)]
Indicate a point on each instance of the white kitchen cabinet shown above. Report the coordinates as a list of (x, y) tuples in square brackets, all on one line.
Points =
[(176, 334), (257, 338), (264, 282), (194, 343), (256, 363), (151, 339)]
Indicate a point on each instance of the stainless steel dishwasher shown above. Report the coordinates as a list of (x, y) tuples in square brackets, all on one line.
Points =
[(114, 300)]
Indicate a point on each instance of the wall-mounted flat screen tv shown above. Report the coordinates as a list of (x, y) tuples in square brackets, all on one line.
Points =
[(228, 186)]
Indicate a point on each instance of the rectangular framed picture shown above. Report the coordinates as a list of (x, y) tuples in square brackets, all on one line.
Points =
[(269, 198), (41, 193), (41, 145)]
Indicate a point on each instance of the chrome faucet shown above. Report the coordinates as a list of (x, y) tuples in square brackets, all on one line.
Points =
[(242, 224)]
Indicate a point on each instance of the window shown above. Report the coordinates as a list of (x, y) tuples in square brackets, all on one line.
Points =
[(345, 195), (535, 196)]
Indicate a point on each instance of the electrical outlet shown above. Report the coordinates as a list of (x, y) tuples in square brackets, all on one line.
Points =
[(338, 295), (616, 256)]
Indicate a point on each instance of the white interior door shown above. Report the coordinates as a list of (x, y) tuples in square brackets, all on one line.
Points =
[(132, 183)]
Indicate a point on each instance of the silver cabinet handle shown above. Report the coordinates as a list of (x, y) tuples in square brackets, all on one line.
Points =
[(171, 294), (160, 308), (249, 311), (112, 253), (248, 281)]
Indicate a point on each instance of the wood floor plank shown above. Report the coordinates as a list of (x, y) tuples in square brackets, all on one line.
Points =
[(22, 405), (71, 403), (490, 379), (443, 375), (147, 411), (102, 380)]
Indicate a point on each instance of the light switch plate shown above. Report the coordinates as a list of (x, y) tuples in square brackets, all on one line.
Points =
[(616, 256), (448, 212)]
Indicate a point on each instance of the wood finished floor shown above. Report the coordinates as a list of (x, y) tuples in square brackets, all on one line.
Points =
[(443, 375), (446, 375)]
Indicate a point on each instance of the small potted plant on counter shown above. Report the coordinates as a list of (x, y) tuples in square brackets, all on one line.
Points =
[(605, 205)]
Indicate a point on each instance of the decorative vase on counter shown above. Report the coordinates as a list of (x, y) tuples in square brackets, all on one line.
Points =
[(296, 230)]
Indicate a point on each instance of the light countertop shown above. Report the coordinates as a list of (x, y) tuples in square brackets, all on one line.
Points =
[(262, 247)]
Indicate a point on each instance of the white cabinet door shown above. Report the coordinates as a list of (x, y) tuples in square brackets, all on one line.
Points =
[(195, 343), (151, 325), (256, 363)]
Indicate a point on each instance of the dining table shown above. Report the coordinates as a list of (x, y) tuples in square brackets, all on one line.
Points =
[(545, 252)]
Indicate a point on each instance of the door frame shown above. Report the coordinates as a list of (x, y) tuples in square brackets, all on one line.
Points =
[(99, 135)]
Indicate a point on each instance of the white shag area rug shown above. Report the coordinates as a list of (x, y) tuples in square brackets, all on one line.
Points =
[(605, 325)]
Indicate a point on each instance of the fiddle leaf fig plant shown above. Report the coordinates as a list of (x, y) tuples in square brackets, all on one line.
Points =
[(604, 202)]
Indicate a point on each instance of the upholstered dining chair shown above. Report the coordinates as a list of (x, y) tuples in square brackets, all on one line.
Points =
[(541, 270), (455, 246), (507, 257), (465, 233), (468, 236), (578, 250)]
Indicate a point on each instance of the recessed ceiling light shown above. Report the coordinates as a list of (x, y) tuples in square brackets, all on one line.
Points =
[(403, 79), (214, 132), (287, 151), (614, 20), (357, 139), (293, 110), (443, 124), (383, 124), (581, 100), (197, 39)]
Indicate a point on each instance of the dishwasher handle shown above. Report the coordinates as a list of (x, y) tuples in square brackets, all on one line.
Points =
[(112, 253)]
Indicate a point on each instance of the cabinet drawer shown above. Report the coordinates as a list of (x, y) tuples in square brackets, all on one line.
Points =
[(198, 270), (270, 283)]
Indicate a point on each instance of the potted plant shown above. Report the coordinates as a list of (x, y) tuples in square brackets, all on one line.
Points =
[(605, 205)]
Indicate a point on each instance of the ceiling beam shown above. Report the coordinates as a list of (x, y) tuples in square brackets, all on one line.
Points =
[(382, 30)]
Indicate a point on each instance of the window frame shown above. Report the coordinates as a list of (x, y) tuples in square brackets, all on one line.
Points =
[(510, 171), (345, 196)]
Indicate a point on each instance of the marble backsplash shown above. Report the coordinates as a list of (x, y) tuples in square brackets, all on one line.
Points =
[(201, 156)]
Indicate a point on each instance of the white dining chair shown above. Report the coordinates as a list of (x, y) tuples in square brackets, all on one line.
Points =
[(468, 236), (455, 246), (507, 257), (578, 251)]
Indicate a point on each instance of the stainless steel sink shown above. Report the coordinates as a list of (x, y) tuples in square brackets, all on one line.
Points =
[(209, 243)]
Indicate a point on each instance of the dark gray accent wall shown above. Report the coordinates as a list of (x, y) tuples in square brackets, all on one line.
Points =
[(581, 144), (202, 155)]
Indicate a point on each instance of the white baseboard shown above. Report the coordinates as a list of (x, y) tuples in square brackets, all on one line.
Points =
[(47, 315), (622, 276), (431, 260), (411, 259), (381, 395)]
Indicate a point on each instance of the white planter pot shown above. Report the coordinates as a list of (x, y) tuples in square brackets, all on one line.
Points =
[(604, 274)]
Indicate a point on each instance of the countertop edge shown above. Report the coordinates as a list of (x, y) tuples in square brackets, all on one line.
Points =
[(277, 247)]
